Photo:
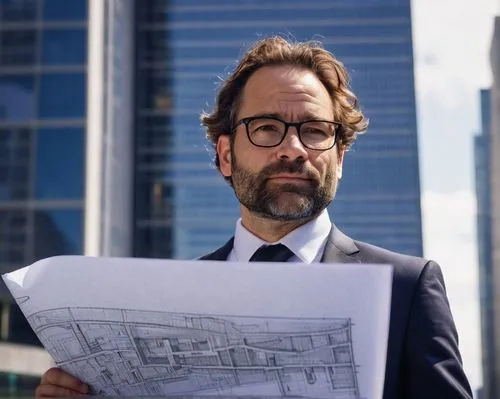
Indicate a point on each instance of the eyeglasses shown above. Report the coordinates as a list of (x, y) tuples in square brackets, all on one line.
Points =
[(270, 132)]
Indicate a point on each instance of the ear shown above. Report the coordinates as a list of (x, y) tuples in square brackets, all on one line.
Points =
[(340, 162), (224, 153)]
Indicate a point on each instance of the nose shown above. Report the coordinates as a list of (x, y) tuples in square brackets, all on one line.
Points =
[(291, 147)]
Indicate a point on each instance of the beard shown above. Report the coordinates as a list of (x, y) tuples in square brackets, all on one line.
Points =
[(282, 202)]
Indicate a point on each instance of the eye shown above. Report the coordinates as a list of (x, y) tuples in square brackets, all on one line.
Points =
[(267, 128), (312, 130), (264, 125), (318, 129)]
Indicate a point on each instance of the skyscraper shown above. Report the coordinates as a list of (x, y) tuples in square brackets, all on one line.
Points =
[(495, 193), (183, 49), (43, 55), (101, 146), (482, 145), (66, 123)]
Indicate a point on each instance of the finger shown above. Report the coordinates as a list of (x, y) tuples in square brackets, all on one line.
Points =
[(49, 391), (58, 377)]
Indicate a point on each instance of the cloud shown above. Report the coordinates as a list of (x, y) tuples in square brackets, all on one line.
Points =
[(450, 239), (452, 41)]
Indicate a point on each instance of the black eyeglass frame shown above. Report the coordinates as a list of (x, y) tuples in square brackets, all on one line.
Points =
[(246, 121)]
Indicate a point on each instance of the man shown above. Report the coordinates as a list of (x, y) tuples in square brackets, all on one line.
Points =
[(281, 126)]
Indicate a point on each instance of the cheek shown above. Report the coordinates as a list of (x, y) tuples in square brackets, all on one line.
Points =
[(248, 158), (324, 165)]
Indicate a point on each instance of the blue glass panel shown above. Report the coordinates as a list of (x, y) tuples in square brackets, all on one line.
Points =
[(204, 51), (154, 242), (62, 95), (65, 10), (58, 232), (17, 98), (276, 12), (64, 46), (18, 47), (14, 238), (60, 163), (224, 4), (15, 162), (18, 10), (396, 175), (248, 34)]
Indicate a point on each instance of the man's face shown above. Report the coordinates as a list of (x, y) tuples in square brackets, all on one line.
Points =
[(287, 182)]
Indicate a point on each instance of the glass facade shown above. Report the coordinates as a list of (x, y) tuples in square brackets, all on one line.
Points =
[(42, 124), (64, 46), (59, 163), (17, 98), (482, 158), (154, 140), (183, 49)]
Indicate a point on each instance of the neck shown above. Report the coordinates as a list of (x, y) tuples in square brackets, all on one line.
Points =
[(267, 229)]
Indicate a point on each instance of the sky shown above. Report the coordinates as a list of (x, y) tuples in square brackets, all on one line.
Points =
[(452, 40)]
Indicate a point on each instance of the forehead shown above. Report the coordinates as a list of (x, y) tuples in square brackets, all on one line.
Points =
[(293, 93)]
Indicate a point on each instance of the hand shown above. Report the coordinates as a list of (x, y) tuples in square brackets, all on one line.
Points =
[(56, 382)]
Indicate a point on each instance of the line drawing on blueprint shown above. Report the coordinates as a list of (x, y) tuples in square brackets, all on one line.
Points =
[(22, 299), (140, 353)]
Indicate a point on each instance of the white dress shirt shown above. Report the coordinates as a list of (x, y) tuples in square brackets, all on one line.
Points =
[(307, 242)]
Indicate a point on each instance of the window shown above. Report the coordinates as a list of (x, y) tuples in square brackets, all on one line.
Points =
[(59, 163), (15, 156), (153, 242), (17, 98), (18, 10), (21, 332), (58, 232), (18, 47), (62, 95), (155, 89), (58, 10), (274, 10), (64, 46), (13, 237)]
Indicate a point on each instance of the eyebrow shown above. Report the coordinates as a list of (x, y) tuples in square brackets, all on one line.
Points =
[(303, 117)]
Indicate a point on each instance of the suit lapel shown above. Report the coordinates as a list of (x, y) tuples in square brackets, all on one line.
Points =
[(340, 248), (220, 254)]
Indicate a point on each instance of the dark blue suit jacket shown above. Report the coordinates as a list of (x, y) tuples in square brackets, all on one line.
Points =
[(423, 360)]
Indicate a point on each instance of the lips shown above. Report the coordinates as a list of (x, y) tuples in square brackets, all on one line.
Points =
[(289, 177), (286, 179)]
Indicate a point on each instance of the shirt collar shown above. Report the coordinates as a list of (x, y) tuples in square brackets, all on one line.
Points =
[(306, 242)]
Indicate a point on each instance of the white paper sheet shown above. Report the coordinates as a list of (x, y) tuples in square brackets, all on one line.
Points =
[(161, 327)]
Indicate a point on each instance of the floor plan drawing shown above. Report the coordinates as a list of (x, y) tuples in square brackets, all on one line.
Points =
[(130, 352), (191, 329)]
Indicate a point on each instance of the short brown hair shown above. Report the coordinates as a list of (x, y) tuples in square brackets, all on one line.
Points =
[(276, 50)]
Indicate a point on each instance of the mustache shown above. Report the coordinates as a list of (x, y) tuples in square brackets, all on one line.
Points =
[(284, 166)]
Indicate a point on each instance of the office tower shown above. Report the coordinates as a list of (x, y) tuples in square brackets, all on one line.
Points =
[(66, 123), (183, 49), (42, 136), (487, 160), (495, 193), (482, 145)]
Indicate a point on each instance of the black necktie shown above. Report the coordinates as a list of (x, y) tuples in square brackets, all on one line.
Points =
[(272, 253)]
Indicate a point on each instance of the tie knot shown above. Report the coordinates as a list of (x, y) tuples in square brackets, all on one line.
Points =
[(272, 253)]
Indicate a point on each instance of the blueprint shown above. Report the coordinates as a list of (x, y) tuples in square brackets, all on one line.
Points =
[(136, 327)]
